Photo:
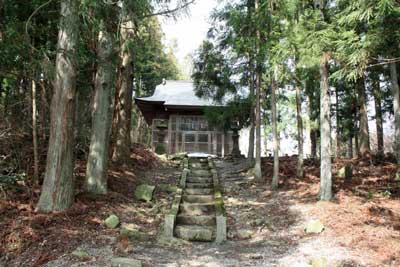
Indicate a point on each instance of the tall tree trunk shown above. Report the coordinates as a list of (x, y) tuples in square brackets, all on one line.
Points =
[(34, 135), (43, 109), (338, 120), (350, 147), (135, 133), (356, 131), (275, 177), (378, 114), (326, 168), (396, 109), (257, 166), (250, 154), (308, 118), (300, 138), (97, 164), (314, 140), (58, 186), (364, 133), (124, 90)]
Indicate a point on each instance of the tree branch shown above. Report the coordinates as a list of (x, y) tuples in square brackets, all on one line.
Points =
[(169, 11)]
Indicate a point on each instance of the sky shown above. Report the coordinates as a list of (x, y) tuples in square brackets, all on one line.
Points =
[(189, 30)]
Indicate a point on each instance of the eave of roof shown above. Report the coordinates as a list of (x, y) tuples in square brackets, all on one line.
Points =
[(178, 93)]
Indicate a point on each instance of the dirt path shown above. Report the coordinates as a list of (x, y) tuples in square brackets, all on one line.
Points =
[(265, 228)]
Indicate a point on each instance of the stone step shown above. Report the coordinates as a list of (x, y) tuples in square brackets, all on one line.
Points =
[(201, 173), (198, 198), (195, 232), (199, 185), (205, 220), (196, 179), (198, 191), (198, 165), (193, 209)]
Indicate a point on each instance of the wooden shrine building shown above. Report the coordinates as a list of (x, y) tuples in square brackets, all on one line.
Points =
[(176, 116)]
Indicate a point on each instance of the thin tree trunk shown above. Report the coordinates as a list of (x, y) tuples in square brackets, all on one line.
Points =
[(378, 114), (357, 132), (125, 90), (58, 187), (257, 166), (308, 118), (338, 120), (250, 154), (350, 147), (43, 109), (34, 135), (396, 110), (364, 133), (97, 164), (275, 177), (326, 168), (300, 137), (314, 140), (136, 132)]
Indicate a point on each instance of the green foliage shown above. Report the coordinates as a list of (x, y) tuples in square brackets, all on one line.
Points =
[(235, 114), (153, 61)]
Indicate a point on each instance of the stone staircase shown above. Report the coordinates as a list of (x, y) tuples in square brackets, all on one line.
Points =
[(197, 213), (196, 217)]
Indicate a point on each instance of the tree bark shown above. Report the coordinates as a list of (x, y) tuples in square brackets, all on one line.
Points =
[(350, 147), (314, 140), (58, 187), (257, 166), (300, 140), (378, 114), (326, 168), (364, 133), (250, 154), (275, 177), (338, 119), (124, 90), (43, 110), (97, 164), (396, 110)]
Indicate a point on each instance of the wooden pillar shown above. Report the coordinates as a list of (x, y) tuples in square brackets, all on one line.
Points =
[(177, 132), (169, 137)]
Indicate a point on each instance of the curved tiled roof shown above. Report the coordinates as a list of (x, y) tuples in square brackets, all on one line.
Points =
[(178, 93)]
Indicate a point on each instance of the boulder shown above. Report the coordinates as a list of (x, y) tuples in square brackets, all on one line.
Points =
[(318, 262), (244, 233), (144, 192), (314, 227), (131, 231), (112, 221), (125, 262)]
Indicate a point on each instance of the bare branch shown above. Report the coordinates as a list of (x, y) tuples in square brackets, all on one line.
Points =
[(169, 11)]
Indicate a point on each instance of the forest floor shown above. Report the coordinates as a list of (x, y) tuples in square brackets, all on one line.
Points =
[(265, 227)]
